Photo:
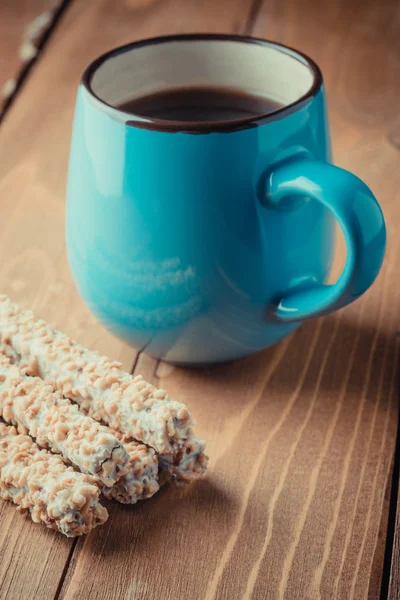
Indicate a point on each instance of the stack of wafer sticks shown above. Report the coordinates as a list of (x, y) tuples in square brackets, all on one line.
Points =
[(76, 425)]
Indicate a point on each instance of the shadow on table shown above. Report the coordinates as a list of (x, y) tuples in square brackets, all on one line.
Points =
[(336, 346), (134, 528)]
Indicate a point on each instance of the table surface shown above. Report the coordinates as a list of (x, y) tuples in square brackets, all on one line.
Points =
[(23, 28), (300, 498)]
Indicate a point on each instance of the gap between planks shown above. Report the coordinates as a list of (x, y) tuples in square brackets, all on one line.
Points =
[(29, 66)]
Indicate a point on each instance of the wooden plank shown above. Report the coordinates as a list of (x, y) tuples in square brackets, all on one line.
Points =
[(31, 557), (356, 45), (34, 271), (394, 581), (22, 25), (362, 113), (380, 569)]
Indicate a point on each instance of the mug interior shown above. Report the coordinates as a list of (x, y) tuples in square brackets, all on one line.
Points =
[(256, 67)]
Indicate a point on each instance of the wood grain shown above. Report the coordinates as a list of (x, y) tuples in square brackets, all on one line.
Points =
[(300, 436), (15, 17), (394, 582), (31, 557), (359, 57)]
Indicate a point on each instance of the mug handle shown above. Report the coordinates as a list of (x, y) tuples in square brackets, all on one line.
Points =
[(360, 217)]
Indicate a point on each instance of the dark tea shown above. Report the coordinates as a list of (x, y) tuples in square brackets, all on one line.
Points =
[(199, 105)]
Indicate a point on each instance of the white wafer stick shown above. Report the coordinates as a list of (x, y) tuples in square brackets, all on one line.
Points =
[(105, 392), (7, 351), (39, 482), (32, 405), (140, 478)]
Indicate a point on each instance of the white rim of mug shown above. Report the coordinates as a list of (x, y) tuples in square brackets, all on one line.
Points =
[(227, 126)]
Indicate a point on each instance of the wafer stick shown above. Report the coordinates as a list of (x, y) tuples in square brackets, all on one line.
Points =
[(41, 483), (7, 351), (105, 392), (32, 405), (141, 480), (34, 408), (185, 465)]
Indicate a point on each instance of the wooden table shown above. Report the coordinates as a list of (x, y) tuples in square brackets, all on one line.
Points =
[(300, 499), (24, 27)]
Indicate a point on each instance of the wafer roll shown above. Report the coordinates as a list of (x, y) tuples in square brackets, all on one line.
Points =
[(8, 352), (139, 478), (185, 465), (41, 483), (34, 408), (105, 392)]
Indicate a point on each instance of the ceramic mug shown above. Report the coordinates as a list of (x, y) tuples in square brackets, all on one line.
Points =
[(205, 242)]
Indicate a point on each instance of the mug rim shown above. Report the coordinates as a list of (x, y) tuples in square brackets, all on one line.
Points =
[(227, 126)]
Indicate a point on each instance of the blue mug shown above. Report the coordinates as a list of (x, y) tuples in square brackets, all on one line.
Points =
[(205, 242)]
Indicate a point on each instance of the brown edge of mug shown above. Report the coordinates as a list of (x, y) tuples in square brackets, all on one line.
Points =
[(201, 127)]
